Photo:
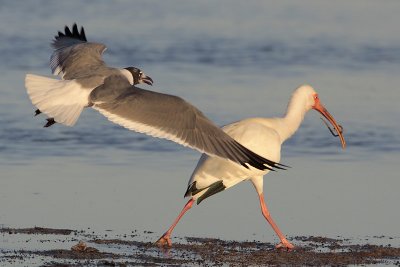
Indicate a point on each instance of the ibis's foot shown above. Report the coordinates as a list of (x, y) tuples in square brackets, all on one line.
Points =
[(285, 245), (164, 241)]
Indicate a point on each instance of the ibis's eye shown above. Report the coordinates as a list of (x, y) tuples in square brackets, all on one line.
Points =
[(315, 97), (141, 74)]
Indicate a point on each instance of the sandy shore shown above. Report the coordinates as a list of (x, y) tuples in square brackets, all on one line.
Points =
[(59, 247)]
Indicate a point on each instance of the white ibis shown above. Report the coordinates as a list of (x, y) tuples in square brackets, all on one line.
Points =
[(263, 136)]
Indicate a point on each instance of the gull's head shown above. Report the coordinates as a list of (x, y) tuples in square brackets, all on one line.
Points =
[(138, 76)]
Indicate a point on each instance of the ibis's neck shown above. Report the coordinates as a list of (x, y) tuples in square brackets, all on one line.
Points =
[(293, 118)]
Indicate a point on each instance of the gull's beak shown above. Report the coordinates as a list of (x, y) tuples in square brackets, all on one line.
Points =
[(146, 79), (321, 109)]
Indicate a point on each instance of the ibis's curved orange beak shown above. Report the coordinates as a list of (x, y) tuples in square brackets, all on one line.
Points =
[(321, 109)]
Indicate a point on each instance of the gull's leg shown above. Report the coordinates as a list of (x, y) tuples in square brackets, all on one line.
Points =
[(284, 242), (50, 121), (165, 240)]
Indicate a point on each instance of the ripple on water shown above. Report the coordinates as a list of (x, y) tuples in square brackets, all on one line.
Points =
[(375, 139), (21, 142), (215, 51)]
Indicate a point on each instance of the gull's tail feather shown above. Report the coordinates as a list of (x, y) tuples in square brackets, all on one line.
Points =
[(62, 100)]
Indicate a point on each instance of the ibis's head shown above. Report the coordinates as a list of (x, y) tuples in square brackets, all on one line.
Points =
[(313, 102), (139, 76)]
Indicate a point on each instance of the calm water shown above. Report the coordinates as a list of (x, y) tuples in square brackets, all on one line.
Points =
[(233, 60)]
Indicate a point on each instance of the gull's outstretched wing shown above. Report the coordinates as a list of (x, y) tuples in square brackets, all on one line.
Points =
[(170, 117), (73, 56)]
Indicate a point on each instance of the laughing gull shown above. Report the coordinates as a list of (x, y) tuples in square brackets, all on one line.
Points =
[(88, 82), (80, 65)]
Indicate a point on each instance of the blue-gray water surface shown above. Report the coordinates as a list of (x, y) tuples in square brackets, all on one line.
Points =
[(233, 60)]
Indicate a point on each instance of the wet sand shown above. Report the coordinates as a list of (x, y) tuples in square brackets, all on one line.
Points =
[(61, 247)]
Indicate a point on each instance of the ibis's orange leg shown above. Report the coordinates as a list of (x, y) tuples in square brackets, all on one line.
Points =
[(165, 240), (284, 242)]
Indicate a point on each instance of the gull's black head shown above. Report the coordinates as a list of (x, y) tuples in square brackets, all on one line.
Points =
[(139, 76)]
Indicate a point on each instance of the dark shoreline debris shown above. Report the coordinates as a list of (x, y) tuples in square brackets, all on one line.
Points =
[(122, 251)]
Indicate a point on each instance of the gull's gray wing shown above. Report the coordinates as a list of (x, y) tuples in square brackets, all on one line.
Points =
[(73, 56), (169, 117)]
